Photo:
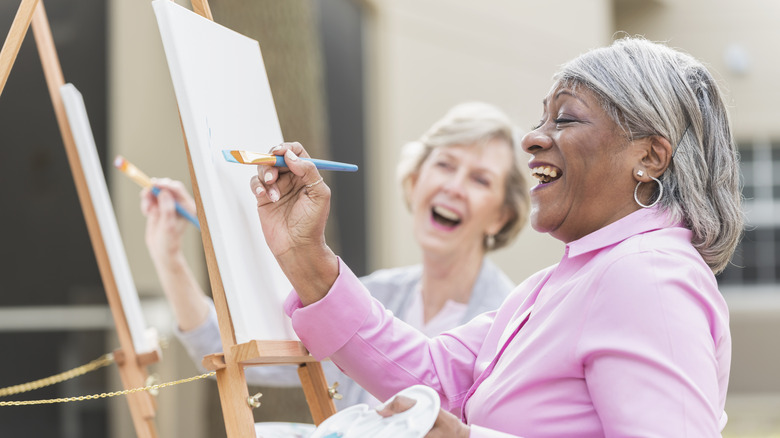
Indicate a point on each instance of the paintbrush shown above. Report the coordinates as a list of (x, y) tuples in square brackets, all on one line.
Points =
[(142, 180), (247, 157)]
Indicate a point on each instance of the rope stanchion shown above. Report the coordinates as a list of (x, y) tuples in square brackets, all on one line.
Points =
[(105, 394), (102, 361)]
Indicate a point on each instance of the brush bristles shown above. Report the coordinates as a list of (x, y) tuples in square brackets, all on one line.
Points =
[(120, 163), (128, 169)]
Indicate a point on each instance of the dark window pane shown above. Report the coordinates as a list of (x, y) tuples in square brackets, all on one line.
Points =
[(747, 249), (745, 154), (776, 267), (775, 152), (749, 192), (731, 275)]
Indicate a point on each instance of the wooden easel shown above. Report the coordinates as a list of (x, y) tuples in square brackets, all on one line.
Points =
[(229, 365), (132, 366)]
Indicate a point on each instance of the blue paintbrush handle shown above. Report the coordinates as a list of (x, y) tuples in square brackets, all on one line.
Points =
[(321, 164), (179, 209)]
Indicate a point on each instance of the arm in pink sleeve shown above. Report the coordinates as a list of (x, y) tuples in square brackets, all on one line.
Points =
[(383, 354)]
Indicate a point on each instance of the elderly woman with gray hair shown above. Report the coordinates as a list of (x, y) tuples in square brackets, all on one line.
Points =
[(467, 196), (628, 334)]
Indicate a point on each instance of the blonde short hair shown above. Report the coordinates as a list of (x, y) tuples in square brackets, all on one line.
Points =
[(466, 124)]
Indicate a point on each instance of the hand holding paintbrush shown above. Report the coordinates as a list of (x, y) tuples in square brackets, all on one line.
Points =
[(144, 181)]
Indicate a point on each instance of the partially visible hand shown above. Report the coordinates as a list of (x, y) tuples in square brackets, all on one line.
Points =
[(164, 230), (293, 204), (165, 227), (446, 425)]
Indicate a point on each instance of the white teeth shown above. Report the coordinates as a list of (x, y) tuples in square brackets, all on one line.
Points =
[(544, 170), (446, 213), (544, 173)]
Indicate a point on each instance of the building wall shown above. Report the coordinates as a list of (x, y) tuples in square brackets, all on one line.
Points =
[(710, 31)]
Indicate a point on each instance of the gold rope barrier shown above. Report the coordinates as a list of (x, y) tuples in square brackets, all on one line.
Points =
[(106, 359), (105, 394)]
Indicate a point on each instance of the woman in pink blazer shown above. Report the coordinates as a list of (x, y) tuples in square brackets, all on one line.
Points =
[(628, 334)]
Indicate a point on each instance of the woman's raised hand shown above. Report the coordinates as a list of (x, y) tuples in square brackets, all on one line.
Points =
[(164, 226), (293, 205)]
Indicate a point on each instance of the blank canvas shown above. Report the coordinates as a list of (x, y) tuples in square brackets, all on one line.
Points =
[(225, 103), (143, 341)]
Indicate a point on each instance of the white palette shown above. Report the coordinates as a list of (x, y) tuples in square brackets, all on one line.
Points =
[(360, 421)]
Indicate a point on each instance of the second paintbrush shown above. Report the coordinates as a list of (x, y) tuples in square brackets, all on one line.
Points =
[(247, 157)]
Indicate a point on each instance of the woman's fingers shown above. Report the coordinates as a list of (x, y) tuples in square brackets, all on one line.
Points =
[(259, 190), (167, 205), (177, 190), (147, 201), (294, 146), (271, 182), (397, 405)]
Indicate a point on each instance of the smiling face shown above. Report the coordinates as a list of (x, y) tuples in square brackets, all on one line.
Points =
[(457, 196), (584, 165)]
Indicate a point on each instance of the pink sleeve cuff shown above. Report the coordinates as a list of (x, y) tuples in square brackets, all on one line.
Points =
[(326, 325)]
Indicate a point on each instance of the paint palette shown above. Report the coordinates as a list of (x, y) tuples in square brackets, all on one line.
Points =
[(272, 429), (360, 421)]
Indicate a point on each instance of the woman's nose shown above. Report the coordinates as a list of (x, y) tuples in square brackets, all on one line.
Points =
[(456, 184), (536, 140)]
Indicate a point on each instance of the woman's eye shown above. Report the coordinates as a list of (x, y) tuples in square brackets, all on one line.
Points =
[(563, 121), (482, 181), (443, 165), (538, 125)]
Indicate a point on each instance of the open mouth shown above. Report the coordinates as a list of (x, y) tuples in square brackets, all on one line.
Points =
[(546, 174), (445, 216)]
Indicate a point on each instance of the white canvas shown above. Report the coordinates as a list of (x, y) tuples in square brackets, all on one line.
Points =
[(143, 342), (225, 103)]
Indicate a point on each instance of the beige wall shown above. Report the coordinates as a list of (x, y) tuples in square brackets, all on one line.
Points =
[(424, 56), (707, 29)]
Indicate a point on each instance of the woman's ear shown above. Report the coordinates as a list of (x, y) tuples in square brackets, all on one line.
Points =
[(503, 217), (408, 187), (658, 156)]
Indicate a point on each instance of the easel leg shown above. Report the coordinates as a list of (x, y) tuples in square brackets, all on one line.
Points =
[(142, 404), (13, 41), (233, 395), (133, 375), (315, 388)]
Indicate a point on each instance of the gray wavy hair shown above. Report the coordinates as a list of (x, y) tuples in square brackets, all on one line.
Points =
[(650, 89), (465, 124)]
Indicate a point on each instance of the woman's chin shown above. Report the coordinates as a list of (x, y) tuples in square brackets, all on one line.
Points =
[(542, 222), (446, 246)]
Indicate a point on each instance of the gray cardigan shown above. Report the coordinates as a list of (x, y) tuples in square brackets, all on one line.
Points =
[(394, 288)]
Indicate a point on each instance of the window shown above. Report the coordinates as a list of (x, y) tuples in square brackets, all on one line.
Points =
[(757, 259)]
